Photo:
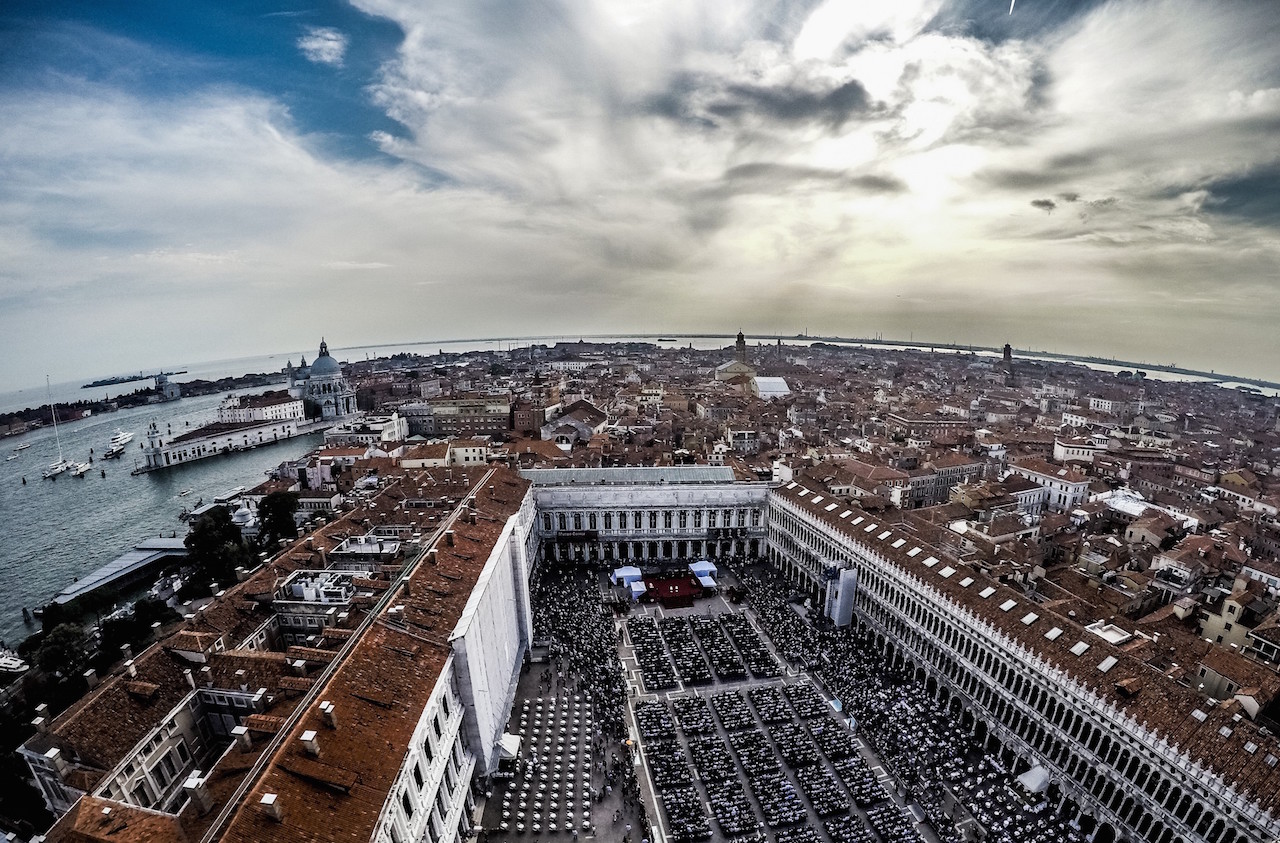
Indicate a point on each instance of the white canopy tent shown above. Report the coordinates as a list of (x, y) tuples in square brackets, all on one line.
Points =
[(1035, 780), (625, 575), (702, 569)]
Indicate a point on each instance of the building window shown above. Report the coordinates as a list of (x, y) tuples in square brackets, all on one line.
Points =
[(622, 520), (577, 520), (697, 519), (407, 803), (653, 520), (561, 520), (417, 776), (546, 521), (591, 521), (684, 519), (666, 520), (608, 520), (444, 704)]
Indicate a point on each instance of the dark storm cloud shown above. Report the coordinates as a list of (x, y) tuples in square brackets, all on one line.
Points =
[(1056, 170), (688, 99), (769, 177), (831, 108)]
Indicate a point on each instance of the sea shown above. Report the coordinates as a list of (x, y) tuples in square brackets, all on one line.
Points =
[(54, 531)]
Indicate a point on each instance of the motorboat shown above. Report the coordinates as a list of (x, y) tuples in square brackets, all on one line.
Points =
[(118, 443), (24, 446), (11, 662), (81, 469), (11, 458)]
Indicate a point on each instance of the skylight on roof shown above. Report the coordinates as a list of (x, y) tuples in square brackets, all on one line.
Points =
[(1199, 715), (857, 520), (915, 551), (1030, 618), (946, 572), (1108, 663), (899, 542), (1053, 634), (830, 506), (817, 499), (1251, 747), (1080, 648), (802, 492), (987, 592), (1225, 731), (1007, 605), (966, 582), (930, 562), (792, 485), (885, 535), (846, 513), (870, 527)]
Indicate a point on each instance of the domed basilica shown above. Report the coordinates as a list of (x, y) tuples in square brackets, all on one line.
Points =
[(323, 383)]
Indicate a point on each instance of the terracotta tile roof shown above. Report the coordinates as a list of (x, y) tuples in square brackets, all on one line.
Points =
[(91, 820), (379, 691)]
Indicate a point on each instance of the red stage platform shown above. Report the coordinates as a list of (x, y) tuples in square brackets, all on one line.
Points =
[(673, 592)]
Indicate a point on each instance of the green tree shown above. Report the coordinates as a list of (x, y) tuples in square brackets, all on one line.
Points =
[(62, 649), (275, 513), (216, 547)]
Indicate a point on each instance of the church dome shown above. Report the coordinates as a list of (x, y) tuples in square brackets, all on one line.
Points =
[(324, 364)]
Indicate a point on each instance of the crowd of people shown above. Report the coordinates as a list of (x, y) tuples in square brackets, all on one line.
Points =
[(572, 619), (936, 762)]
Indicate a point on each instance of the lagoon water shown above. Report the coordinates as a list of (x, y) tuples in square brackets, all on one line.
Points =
[(53, 531)]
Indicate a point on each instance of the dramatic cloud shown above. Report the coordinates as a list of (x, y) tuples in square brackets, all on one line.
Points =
[(1078, 176), (323, 45)]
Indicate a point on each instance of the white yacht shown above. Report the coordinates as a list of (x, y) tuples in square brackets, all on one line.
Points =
[(62, 464), (118, 443), (80, 469)]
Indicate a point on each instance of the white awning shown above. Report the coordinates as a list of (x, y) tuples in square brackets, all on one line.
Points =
[(1035, 780), (510, 745), (707, 582), (638, 587), (625, 575), (702, 568)]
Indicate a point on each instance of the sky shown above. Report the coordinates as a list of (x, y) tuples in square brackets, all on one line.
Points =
[(215, 178)]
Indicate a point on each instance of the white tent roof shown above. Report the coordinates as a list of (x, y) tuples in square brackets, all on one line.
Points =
[(638, 587), (1035, 780), (510, 745), (707, 582), (702, 569), (626, 574)]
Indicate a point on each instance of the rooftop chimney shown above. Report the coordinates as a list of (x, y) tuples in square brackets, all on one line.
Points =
[(128, 666), (196, 787), (448, 537), (270, 806), (126, 652), (330, 714), (309, 741), (191, 680), (243, 739)]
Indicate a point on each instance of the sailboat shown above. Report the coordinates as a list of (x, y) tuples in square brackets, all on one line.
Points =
[(62, 464)]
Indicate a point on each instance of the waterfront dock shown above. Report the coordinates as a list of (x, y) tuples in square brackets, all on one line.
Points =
[(128, 569)]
